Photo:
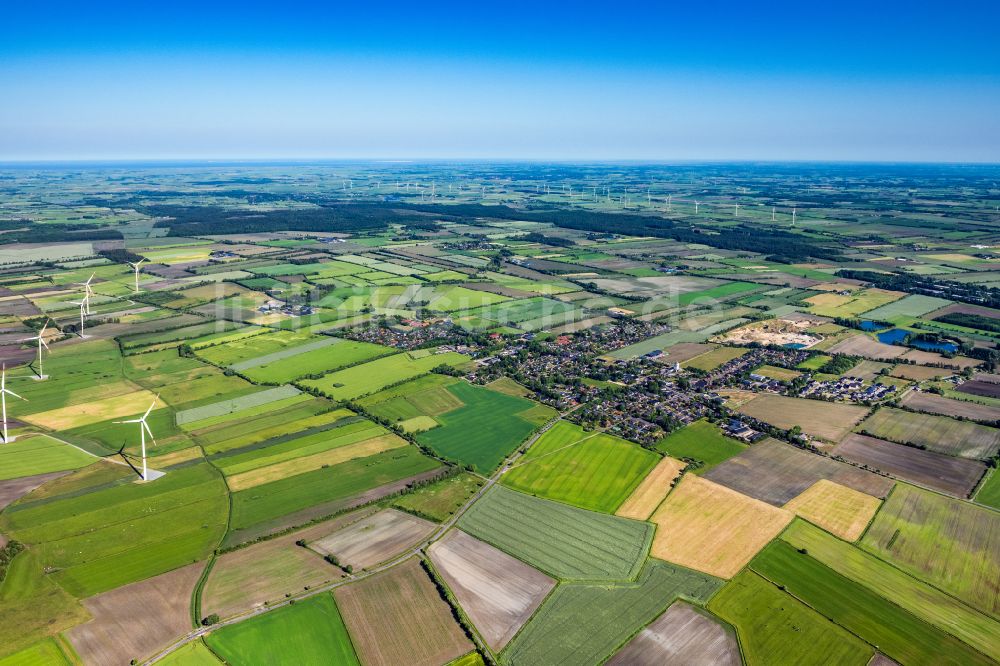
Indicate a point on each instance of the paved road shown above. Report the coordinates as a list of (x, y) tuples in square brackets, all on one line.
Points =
[(195, 634)]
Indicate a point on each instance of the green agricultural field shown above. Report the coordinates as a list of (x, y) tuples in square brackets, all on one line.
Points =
[(325, 486), (291, 421), (583, 623), (44, 653), (598, 472), (308, 632), (949, 543), (33, 606), (125, 532), (723, 291), (253, 458), (897, 633), (527, 313), (563, 541), (909, 306), (373, 376), (198, 417), (39, 454), (455, 298), (937, 433), (814, 362), (711, 360), (461, 436), (775, 628), (423, 396), (249, 348), (989, 492), (700, 441), (925, 602), (194, 653), (309, 359), (439, 500)]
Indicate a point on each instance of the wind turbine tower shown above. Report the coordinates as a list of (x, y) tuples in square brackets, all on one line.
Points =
[(4, 392), (135, 267), (772, 213), (793, 217), (88, 291), (40, 338), (669, 203), (695, 207), (143, 429), (82, 304)]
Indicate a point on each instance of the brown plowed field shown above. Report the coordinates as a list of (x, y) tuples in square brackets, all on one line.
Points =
[(136, 620), (398, 617), (936, 404), (498, 592), (948, 474), (775, 473), (278, 567), (683, 636), (375, 539)]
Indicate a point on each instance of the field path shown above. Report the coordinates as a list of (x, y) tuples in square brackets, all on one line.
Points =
[(436, 535)]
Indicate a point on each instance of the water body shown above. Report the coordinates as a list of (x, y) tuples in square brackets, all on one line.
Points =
[(897, 335), (868, 325)]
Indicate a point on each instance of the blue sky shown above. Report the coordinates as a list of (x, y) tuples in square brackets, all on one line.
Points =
[(890, 81)]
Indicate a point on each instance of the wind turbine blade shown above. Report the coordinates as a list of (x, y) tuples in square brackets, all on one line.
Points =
[(130, 421), (9, 392), (149, 432), (150, 408), (44, 343)]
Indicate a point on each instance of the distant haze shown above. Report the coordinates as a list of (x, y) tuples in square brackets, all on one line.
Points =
[(889, 81)]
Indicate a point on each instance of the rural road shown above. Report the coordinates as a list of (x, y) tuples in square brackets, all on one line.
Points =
[(196, 634)]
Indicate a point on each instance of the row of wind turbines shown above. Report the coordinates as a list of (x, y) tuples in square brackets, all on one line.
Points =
[(43, 346)]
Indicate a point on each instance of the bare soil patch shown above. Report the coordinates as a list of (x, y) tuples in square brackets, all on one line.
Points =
[(374, 539), (862, 345), (398, 617), (948, 474), (826, 420), (278, 567), (980, 387), (936, 404), (683, 636), (136, 620), (776, 473), (498, 592), (13, 489)]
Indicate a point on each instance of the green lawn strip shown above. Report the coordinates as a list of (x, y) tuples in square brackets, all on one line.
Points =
[(360, 380), (561, 540), (43, 653), (585, 623), (897, 633), (462, 436), (928, 603), (194, 653), (339, 353), (701, 441), (272, 500), (775, 628), (989, 491), (597, 473), (28, 456), (308, 632), (199, 417), (299, 447), (334, 425)]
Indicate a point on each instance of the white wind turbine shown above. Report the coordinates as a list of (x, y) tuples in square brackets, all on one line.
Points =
[(41, 343), (135, 267), (88, 290), (82, 304), (4, 392), (143, 429)]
